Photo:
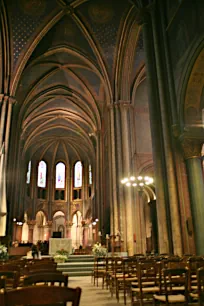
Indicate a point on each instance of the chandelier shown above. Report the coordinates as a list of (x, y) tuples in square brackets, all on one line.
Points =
[(138, 182)]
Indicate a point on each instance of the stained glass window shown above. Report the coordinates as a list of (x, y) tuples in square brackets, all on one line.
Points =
[(78, 174), (60, 175), (28, 173), (90, 175), (42, 168)]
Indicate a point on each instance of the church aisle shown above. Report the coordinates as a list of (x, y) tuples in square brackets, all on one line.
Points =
[(92, 295)]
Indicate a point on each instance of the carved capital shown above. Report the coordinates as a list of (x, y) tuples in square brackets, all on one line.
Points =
[(49, 223), (110, 106), (125, 105), (191, 148), (31, 224), (6, 98), (12, 100), (176, 130), (143, 8), (1, 97)]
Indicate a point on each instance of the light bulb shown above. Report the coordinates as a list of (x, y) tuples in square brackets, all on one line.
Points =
[(141, 184), (134, 184), (132, 178), (140, 178), (128, 184)]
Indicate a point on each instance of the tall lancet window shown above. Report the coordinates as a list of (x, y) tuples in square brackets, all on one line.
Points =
[(60, 176), (90, 175), (77, 186), (90, 181), (78, 175), (42, 170), (28, 173)]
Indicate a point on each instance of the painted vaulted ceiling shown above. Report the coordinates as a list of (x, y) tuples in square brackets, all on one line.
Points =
[(69, 60)]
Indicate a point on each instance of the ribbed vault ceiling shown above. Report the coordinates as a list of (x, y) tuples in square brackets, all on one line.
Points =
[(69, 78)]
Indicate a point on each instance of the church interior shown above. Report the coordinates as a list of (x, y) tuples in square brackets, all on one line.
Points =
[(102, 124)]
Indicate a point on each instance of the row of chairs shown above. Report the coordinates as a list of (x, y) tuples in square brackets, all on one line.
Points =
[(19, 279), (145, 277)]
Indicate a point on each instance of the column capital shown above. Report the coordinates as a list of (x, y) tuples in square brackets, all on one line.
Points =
[(12, 100), (191, 147), (176, 130), (98, 132), (143, 8), (124, 105), (111, 106), (1, 97)]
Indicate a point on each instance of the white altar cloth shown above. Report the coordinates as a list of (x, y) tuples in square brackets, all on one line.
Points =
[(56, 244)]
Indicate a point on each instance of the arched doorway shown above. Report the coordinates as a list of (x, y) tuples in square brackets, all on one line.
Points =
[(77, 230), (38, 231), (58, 224)]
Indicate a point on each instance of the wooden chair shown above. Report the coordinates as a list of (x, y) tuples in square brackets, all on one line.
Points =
[(37, 272), (149, 282), (40, 295), (200, 277), (99, 269), (2, 282), (117, 272), (174, 287), (44, 267), (46, 278), (10, 267), (108, 272), (11, 279), (123, 283)]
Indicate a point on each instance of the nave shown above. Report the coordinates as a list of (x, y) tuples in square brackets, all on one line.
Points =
[(93, 295)]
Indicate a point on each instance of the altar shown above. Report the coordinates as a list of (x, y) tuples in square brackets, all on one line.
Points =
[(56, 244)]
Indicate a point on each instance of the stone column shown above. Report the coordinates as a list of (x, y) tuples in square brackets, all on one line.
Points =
[(99, 191), (126, 149), (156, 133), (192, 155), (3, 114), (119, 168), (14, 231), (167, 141), (114, 211), (18, 232), (68, 229), (12, 101), (48, 230), (85, 235), (31, 224)]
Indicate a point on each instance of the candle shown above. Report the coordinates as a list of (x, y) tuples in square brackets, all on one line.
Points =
[(99, 233), (107, 236)]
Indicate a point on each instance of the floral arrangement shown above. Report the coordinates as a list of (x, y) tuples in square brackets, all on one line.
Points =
[(63, 252), (60, 258), (3, 252), (98, 250), (61, 255)]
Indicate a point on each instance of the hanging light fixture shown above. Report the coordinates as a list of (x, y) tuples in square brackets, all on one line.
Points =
[(137, 182)]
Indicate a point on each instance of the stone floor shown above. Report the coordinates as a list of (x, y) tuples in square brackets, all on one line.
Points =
[(92, 295)]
